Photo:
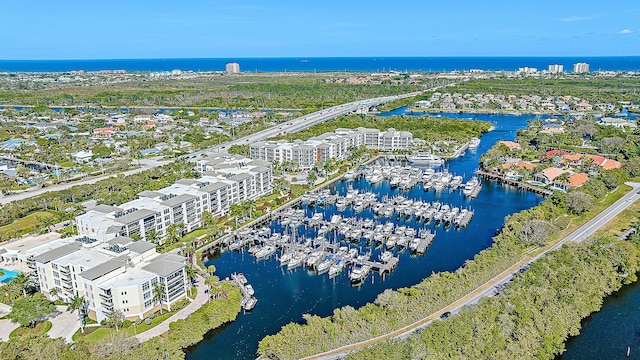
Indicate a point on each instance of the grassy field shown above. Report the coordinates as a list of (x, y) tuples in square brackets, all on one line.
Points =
[(24, 225)]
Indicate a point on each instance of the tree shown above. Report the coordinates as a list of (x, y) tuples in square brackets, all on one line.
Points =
[(21, 281), (536, 231), (236, 211), (78, 303), (115, 318), (207, 219), (158, 293), (578, 202), (174, 231), (28, 310), (311, 178), (191, 275)]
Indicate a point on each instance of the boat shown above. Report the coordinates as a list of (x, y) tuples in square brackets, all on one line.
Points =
[(249, 304), (386, 256), (296, 261), (474, 143), (350, 175), (472, 187), (336, 268), (359, 273), (325, 264), (241, 279), (249, 289), (375, 178), (426, 158), (285, 258), (265, 252), (395, 181), (456, 181)]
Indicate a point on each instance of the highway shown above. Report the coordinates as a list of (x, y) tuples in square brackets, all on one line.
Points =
[(494, 286), (303, 122), (146, 165), (295, 125)]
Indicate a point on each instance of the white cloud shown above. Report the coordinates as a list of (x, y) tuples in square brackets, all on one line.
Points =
[(577, 18), (625, 31)]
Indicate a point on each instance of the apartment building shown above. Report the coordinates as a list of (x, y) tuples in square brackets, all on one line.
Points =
[(118, 274), (331, 145), (580, 68), (225, 180)]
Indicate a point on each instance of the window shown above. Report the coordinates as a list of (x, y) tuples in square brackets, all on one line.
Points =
[(57, 282), (55, 274), (54, 266), (147, 295), (123, 293), (125, 301), (145, 286)]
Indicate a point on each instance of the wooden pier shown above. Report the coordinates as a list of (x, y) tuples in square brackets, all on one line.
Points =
[(519, 184), (424, 243)]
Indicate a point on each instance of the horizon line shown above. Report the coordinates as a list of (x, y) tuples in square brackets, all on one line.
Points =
[(327, 57)]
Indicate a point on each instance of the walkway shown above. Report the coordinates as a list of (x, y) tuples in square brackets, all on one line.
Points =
[(64, 324), (163, 327), (6, 327)]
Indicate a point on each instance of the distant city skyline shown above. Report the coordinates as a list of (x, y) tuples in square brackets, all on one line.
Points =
[(67, 29)]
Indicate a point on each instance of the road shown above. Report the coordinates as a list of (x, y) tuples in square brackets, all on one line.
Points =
[(304, 122), (295, 125), (146, 165), (493, 286)]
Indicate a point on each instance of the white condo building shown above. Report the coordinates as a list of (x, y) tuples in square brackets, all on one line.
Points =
[(225, 180), (116, 275), (580, 68), (331, 145), (232, 68), (556, 69)]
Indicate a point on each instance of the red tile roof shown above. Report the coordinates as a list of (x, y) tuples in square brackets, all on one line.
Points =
[(577, 180)]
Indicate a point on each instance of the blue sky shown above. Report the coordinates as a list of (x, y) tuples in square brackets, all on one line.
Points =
[(66, 29)]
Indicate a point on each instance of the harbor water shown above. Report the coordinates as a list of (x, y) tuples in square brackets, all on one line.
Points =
[(284, 296)]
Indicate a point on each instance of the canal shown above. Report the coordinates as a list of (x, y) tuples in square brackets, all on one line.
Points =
[(284, 296)]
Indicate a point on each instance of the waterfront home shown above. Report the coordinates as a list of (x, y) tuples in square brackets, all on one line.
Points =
[(512, 145), (519, 165), (574, 181), (548, 175), (598, 160), (82, 156), (618, 122)]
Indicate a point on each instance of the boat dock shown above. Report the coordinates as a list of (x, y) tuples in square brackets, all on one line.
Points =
[(248, 301), (424, 243), (519, 184)]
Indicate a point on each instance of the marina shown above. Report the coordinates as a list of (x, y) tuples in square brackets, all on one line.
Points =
[(349, 227), (285, 294)]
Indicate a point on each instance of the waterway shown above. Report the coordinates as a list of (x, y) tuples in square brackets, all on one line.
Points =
[(608, 333), (284, 296)]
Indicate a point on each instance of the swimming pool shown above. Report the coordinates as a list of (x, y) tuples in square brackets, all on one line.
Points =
[(8, 275)]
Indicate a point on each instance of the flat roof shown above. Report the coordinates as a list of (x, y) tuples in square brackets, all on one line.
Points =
[(105, 209), (104, 268), (141, 246), (165, 264), (214, 186), (57, 253), (178, 200), (135, 216), (133, 277)]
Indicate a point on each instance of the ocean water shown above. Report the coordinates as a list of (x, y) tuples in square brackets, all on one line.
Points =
[(364, 64)]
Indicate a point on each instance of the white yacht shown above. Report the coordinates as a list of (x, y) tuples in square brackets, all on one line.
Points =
[(474, 143), (429, 159)]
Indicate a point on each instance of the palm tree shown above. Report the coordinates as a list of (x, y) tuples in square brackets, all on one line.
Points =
[(158, 293), (235, 212), (191, 275), (53, 293), (207, 219), (248, 206), (78, 303), (21, 281)]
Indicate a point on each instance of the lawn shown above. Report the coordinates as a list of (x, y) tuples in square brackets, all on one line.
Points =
[(24, 225)]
